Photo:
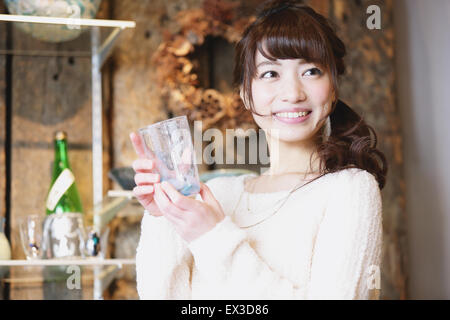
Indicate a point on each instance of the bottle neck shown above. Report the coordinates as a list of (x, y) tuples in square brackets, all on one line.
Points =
[(61, 158)]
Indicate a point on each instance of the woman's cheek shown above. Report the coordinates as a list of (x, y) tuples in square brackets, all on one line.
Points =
[(322, 99), (262, 98), (262, 103), (262, 122), (320, 92)]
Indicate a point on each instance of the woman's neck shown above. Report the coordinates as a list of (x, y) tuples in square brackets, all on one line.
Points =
[(292, 157)]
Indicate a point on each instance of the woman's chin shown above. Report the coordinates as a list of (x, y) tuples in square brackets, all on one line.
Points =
[(293, 137)]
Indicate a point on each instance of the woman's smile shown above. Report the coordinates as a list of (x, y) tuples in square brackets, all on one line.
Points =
[(292, 117)]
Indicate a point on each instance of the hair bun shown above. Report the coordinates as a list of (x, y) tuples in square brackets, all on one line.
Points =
[(274, 6)]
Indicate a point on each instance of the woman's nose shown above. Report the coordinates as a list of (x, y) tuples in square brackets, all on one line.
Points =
[(292, 90)]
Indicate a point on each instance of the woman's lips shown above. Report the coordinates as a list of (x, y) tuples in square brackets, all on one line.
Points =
[(292, 120)]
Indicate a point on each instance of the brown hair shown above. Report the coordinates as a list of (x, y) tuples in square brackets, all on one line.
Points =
[(291, 30)]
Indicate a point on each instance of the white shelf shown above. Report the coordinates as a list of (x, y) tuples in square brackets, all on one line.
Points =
[(68, 262), (69, 21), (104, 270)]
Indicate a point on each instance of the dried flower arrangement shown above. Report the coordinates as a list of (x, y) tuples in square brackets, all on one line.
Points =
[(176, 73)]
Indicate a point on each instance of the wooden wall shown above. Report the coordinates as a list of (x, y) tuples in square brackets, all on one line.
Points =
[(42, 105)]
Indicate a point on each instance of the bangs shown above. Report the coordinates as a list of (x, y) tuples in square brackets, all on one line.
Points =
[(288, 35)]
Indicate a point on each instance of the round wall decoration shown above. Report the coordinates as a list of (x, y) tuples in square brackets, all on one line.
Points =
[(177, 73)]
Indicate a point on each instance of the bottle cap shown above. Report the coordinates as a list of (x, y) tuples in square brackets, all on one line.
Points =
[(60, 135)]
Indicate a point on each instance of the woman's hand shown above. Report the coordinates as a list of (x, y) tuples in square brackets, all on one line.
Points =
[(146, 176), (191, 218)]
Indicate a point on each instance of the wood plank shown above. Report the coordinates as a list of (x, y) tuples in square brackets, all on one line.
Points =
[(2, 117)]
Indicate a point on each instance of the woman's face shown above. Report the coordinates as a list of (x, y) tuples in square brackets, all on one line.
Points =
[(283, 90)]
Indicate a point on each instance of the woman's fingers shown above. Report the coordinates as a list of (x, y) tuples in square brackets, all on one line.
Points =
[(145, 195), (141, 191), (137, 144), (207, 195), (165, 205), (146, 178), (181, 201), (143, 165)]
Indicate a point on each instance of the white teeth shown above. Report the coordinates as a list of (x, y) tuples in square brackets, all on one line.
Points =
[(291, 114)]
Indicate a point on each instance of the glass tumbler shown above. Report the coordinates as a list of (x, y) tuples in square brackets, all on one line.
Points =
[(31, 234), (169, 143)]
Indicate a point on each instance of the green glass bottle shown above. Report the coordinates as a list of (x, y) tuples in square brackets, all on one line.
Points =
[(63, 198), (63, 195)]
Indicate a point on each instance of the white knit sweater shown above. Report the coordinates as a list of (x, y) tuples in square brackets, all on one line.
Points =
[(325, 242)]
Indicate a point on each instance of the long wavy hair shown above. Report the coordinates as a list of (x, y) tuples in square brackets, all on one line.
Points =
[(292, 30)]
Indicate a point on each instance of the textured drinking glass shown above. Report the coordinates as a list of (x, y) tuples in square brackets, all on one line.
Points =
[(64, 235), (169, 143), (31, 235)]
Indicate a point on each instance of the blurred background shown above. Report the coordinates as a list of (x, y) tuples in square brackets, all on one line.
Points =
[(177, 60)]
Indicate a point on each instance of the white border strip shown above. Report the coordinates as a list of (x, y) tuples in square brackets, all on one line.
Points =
[(69, 21)]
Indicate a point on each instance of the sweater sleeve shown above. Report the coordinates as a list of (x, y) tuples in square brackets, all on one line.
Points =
[(225, 255), (347, 255), (163, 261)]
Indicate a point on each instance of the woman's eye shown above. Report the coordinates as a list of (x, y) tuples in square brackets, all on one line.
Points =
[(313, 71), (268, 74)]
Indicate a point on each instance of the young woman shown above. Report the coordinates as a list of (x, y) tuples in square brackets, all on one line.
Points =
[(308, 228)]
